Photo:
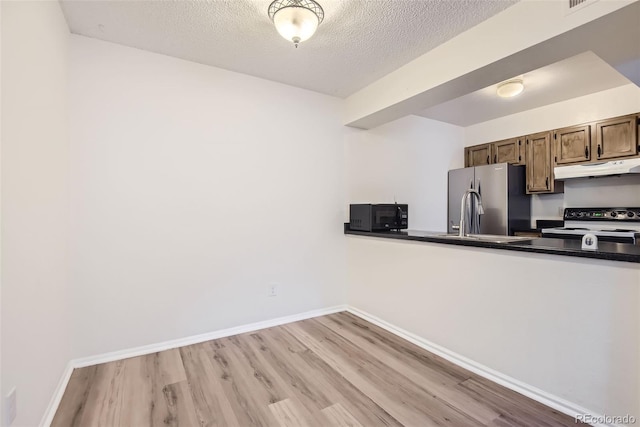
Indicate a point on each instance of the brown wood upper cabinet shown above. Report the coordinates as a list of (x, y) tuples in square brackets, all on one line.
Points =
[(477, 155), (588, 143), (572, 145), (509, 151), (616, 138), (539, 164)]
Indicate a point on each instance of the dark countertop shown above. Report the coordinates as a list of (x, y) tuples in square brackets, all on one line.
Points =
[(606, 250)]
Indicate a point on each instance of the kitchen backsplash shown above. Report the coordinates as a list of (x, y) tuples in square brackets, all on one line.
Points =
[(618, 191)]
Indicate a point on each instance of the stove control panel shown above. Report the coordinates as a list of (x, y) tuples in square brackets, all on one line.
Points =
[(602, 214)]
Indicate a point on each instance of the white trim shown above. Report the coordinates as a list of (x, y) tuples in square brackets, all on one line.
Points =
[(525, 389), (167, 345), (47, 418), (196, 339), (530, 391)]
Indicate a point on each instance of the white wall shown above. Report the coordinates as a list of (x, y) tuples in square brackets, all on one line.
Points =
[(406, 160), (525, 36), (1, 389), (194, 189), (185, 190), (624, 191), (608, 103), (36, 330), (568, 326)]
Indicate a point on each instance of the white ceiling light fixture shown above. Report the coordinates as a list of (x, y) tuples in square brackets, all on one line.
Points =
[(296, 20), (510, 88)]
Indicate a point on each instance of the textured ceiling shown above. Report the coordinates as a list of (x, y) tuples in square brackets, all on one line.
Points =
[(576, 76), (358, 42)]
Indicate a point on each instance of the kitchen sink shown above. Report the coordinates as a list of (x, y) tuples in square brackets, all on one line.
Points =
[(486, 238)]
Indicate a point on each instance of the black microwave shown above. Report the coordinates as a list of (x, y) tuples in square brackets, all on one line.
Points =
[(368, 217)]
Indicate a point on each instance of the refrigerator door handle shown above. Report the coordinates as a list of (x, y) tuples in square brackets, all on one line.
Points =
[(478, 216)]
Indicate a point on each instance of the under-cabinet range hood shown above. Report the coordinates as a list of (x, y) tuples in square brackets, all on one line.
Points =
[(616, 167)]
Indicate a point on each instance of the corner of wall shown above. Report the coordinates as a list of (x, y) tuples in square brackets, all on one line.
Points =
[(34, 147)]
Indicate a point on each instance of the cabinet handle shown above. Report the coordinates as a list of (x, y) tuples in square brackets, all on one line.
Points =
[(495, 158), (586, 151), (488, 160), (599, 150), (547, 182)]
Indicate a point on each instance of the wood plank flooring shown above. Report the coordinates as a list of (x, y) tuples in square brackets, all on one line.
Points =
[(335, 370)]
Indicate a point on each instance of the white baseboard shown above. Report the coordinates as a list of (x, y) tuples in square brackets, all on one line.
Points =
[(196, 339), (528, 390), (47, 419), (167, 345)]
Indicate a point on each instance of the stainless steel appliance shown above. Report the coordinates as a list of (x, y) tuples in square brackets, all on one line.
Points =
[(504, 200), (368, 217), (621, 225)]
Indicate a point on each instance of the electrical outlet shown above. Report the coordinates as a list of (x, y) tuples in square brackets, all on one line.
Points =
[(10, 407), (272, 291)]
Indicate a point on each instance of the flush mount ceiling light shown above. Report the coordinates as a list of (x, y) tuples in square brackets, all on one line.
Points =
[(510, 88), (296, 20)]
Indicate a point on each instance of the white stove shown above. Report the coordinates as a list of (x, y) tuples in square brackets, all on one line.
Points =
[(620, 225)]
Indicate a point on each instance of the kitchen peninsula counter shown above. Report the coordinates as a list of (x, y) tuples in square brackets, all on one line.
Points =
[(606, 250)]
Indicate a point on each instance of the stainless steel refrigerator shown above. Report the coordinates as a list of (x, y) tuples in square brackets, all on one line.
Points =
[(504, 199)]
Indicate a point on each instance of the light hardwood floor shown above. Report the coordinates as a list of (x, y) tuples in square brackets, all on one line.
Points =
[(335, 370)]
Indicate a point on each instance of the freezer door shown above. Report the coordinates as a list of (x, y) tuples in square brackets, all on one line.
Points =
[(491, 182), (460, 180)]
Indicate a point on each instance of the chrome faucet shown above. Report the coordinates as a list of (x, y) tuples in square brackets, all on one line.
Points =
[(463, 209)]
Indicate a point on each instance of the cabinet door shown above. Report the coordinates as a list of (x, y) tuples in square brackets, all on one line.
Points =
[(616, 138), (539, 166), (478, 155), (572, 145), (508, 151)]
